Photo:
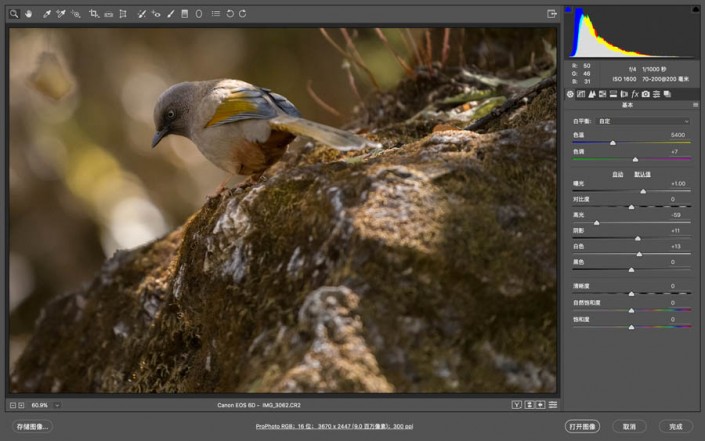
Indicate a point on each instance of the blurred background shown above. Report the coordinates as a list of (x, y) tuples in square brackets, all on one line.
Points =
[(83, 178)]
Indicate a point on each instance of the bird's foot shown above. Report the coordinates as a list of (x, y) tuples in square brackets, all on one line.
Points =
[(221, 188), (224, 189)]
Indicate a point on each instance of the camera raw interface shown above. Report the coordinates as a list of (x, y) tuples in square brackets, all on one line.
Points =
[(404, 219)]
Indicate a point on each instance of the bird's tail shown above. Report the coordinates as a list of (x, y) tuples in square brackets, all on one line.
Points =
[(336, 138)]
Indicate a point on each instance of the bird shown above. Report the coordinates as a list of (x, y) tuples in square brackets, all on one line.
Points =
[(241, 128)]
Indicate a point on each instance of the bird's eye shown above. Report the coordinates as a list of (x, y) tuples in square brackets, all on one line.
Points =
[(171, 114)]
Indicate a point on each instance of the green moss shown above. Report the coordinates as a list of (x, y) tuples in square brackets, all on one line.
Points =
[(487, 105)]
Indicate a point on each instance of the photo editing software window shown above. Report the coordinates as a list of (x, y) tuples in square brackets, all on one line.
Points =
[(307, 220)]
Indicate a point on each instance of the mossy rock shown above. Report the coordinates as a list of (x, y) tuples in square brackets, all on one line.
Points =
[(429, 266)]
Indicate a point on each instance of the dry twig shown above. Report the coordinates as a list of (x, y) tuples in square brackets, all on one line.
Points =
[(407, 69), (446, 46), (325, 106), (357, 58)]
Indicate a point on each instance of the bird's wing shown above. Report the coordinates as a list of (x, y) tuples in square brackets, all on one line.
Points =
[(284, 104), (244, 102)]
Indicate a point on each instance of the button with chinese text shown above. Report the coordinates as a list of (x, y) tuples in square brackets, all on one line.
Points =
[(675, 426), (32, 426), (582, 426), (629, 426)]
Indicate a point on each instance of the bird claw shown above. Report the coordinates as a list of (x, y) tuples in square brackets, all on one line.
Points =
[(221, 188)]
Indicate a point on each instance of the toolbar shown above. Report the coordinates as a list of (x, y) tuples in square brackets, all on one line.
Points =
[(239, 14), (130, 14)]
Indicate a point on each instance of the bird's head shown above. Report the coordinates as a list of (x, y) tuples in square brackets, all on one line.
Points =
[(172, 111)]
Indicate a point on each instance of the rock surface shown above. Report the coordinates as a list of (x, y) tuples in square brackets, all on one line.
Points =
[(429, 266)]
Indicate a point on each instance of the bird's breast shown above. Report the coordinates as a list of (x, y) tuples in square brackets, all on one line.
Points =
[(230, 145)]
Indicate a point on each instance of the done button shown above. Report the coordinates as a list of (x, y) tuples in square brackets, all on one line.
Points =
[(675, 426)]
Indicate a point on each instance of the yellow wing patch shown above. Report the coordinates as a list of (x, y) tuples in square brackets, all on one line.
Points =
[(237, 106)]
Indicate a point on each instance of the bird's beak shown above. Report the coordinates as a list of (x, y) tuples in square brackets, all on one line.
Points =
[(159, 135)]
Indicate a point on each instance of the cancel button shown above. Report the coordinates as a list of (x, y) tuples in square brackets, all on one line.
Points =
[(675, 426), (629, 426)]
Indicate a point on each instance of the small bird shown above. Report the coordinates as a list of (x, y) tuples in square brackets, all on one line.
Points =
[(239, 127)]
